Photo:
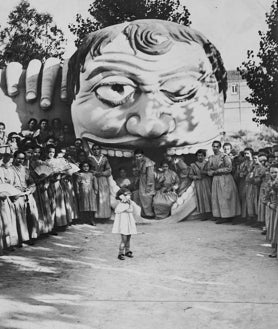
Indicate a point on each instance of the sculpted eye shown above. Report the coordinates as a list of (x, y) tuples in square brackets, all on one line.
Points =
[(114, 94), (181, 89), (181, 95)]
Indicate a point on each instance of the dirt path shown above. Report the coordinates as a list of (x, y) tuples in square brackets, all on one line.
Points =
[(185, 275)]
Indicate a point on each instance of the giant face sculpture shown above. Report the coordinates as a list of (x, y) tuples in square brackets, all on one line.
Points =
[(147, 84), (150, 84)]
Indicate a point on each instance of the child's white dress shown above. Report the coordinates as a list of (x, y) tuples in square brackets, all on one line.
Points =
[(124, 222)]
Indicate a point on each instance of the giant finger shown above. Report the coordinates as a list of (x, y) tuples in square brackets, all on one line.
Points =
[(64, 94), (13, 74), (32, 75), (49, 76)]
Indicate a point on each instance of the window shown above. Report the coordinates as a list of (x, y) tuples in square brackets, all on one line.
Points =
[(234, 89)]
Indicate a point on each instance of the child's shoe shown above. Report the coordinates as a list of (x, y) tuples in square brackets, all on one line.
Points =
[(121, 257), (129, 254)]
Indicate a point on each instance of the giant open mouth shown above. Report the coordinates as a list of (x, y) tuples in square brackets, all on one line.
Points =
[(120, 156), (128, 151)]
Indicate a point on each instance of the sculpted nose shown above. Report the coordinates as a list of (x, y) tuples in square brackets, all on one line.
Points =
[(149, 121), (146, 128)]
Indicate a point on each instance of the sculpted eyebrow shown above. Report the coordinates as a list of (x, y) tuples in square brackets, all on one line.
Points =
[(97, 71)]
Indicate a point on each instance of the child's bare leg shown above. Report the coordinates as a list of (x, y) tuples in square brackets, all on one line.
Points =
[(128, 253), (122, 246), (127, 244)]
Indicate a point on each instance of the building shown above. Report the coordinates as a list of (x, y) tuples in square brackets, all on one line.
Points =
[(238, 113)]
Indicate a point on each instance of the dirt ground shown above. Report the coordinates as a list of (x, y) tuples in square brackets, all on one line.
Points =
[(190, 274)]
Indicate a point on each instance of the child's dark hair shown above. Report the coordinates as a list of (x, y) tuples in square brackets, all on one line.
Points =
[(122, 191), (274, 165), (85, 162)]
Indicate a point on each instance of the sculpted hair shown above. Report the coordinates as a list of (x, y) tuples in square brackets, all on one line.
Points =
[(142, 36)]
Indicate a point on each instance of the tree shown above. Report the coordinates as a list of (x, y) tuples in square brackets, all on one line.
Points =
[(109, 12), (261, 72), (30, 35)]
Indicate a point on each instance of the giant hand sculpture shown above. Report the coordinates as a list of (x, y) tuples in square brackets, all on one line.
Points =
[(146, 83)]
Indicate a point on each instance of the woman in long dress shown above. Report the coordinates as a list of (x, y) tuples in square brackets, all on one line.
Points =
[(7, 206), (55, 191), (248, 191), (271, 201), (102, 171), (145, 168), (264, 182), (25, 206), (168, 183), (202, 184), (225, 200)]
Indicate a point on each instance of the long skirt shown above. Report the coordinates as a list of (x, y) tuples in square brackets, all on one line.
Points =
[(87, 200), (162, 203), (146, 199), (261, 205), (21, 219), (268, 214), (103, 198), (58, 207), (225, 200), (32, 217), (135, 197), (249, 194), (70, 199), (272, 226), (8, 216), (48, 219), (1, 237), (203, 195), (42, 227)]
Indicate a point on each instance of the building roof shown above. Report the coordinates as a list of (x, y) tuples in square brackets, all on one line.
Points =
[(234, 75)]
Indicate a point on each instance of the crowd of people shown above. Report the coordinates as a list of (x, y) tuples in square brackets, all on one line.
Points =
[(48, 181)]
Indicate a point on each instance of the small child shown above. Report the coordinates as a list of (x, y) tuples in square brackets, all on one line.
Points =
[(124, 222), (86, 188)]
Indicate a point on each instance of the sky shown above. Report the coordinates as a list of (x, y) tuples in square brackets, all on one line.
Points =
[(231, 25)]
